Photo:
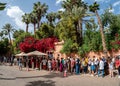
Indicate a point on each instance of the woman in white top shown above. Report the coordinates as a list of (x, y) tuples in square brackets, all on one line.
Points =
[(101, 67), (111, 67)]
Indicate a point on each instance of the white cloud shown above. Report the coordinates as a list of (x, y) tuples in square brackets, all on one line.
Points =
[(59, 1), (111, 10), (106, 1), (116, 3), (62, 9), (16, 13)]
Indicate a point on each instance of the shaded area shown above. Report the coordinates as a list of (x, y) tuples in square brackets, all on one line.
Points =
[(50, 75), (7, 78), (53, 75), (41, 83), (1, 74)]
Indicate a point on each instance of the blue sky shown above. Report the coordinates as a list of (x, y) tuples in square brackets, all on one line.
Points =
[(16, 8)]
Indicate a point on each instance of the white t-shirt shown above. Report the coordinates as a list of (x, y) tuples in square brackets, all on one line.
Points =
[(111, 66), (96, 61), (113, 60), (101, 65), (44, 62)]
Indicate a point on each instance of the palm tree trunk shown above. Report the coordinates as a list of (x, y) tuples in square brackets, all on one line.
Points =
[(38, 22), (76, 32), (10, 39), (38, 25), (80, 30), (102, 34), (35, 29), (26, 28), (10, 44)]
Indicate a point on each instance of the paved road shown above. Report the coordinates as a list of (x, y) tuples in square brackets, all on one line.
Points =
[(11, 76)]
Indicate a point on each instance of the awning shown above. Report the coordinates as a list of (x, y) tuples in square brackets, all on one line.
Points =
[(21, 54), (36, 53)]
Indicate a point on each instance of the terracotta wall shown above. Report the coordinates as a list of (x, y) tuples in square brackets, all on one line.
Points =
[(99, 54), (58, 48), (59, 45)]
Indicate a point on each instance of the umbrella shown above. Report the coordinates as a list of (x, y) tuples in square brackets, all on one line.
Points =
[(21, 54), (36, 53)]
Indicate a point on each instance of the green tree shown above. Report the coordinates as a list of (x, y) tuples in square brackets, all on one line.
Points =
[(19, 36), (69, 47), (7, 30), (40, 10), (26, 20), (4, 46), (94, 8), (45, 31), (51, 18), (33, 20), (76, 10)]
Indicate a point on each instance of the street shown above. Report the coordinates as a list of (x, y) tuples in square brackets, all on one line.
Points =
[(11, 76)]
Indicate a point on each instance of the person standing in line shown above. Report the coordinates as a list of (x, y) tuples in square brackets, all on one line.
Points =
[(27, 63), (77, 66), (49, 65), (61, 66), (101, 67), (32, 62), (44, 62), (111, 67), (117, 64), (57, 64), (53, 64), (40, 63), (96, 64), (20, 64), (89, 65), (92, 67), (72, 65)]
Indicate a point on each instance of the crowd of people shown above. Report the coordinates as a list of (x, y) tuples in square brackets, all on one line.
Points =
[(95, 66), (92, 65)]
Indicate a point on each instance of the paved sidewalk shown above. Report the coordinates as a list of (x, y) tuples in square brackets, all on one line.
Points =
[(11, 76)]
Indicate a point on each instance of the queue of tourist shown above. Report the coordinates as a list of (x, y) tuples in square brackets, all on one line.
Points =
[(95, 66), (92, 65)]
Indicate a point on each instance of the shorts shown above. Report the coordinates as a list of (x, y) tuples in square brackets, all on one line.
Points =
[(20, 64), (92, 67)]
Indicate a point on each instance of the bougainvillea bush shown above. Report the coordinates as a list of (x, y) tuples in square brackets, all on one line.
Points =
[(43, 45), (27, 45)]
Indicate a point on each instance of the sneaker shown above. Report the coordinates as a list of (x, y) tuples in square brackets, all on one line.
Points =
[(118, 76)]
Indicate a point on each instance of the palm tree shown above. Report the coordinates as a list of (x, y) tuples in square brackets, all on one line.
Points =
[(93, 8), (51, 17), (26, 20), (7, 30), (2, 6), (33, 20), (40, 10), (76, 10)]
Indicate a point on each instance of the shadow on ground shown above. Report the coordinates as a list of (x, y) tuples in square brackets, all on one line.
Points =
[(1, 74), (7, 78), (50, 75), (41, 83)]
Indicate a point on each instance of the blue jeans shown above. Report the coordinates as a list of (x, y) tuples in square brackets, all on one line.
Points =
[(101, 71)]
